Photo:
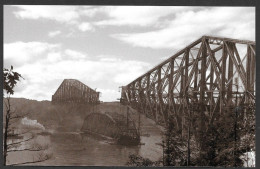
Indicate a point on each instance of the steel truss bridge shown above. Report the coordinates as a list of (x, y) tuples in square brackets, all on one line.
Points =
[(209, 77), (74, 91)]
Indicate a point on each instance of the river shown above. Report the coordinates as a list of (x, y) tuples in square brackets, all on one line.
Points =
[(76, 149)]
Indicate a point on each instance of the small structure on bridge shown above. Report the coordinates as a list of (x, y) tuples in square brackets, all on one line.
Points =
[(74, 91)]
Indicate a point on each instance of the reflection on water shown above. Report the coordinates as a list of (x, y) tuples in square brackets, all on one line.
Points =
[(83, 149), (79, 149)]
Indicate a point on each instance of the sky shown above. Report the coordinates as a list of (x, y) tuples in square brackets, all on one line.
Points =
[(106, 47)]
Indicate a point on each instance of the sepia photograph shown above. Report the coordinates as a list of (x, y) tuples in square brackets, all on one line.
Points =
[(126, 85)]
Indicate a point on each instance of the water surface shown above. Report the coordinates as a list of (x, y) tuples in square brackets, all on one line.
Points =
[(77, 149)]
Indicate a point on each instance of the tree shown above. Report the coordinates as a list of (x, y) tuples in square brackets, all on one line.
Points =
[(227, 141), (11, 117), (246, 127), (229, 138), (139, 161), (173, 146)]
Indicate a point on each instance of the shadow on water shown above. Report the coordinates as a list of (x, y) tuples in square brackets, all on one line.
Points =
[(84, 149)]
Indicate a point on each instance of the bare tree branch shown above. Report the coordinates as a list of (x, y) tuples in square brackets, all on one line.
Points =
[(14, 121), (19, 116), (35, 147), (26, 149), (19, 134), (20, 141), (6, 106), (10, 79)]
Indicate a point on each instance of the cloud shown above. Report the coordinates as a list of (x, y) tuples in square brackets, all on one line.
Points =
[(137, 15), (62, 14), (163, 24), (69, 15), (74, 54), (109, 94), (43, 76), (91, 11), (80, 16), (85, 26), (187, 26), (54, 33), (129, 71), (54, 57), (19, 52)]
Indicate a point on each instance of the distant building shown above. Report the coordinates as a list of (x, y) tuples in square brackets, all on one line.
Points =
[(74, 91)]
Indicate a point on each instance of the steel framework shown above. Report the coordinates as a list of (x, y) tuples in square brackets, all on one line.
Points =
[(73, 91), (209, 77), (110, 124)]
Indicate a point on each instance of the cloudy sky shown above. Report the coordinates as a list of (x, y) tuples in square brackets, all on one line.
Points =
[(106, 46)]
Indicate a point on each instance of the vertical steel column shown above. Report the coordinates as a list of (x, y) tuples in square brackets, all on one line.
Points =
[(211, 86), (187, 108), (140, 96), (170, 88), (253, 71), (230, 75), (148, 93), (202, 92), (223, 78), (248, 73), (159, 92), (135, 95)]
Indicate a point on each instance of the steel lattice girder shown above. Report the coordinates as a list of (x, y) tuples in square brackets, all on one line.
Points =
[(72, 90), (200, 78)]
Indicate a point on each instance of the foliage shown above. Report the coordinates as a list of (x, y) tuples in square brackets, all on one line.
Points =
[(10, 79), (173, 146), (136, 160), (229, 138), (225, 140)]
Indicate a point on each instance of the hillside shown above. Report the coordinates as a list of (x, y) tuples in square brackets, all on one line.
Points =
[(63, 117), (70, 117)]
